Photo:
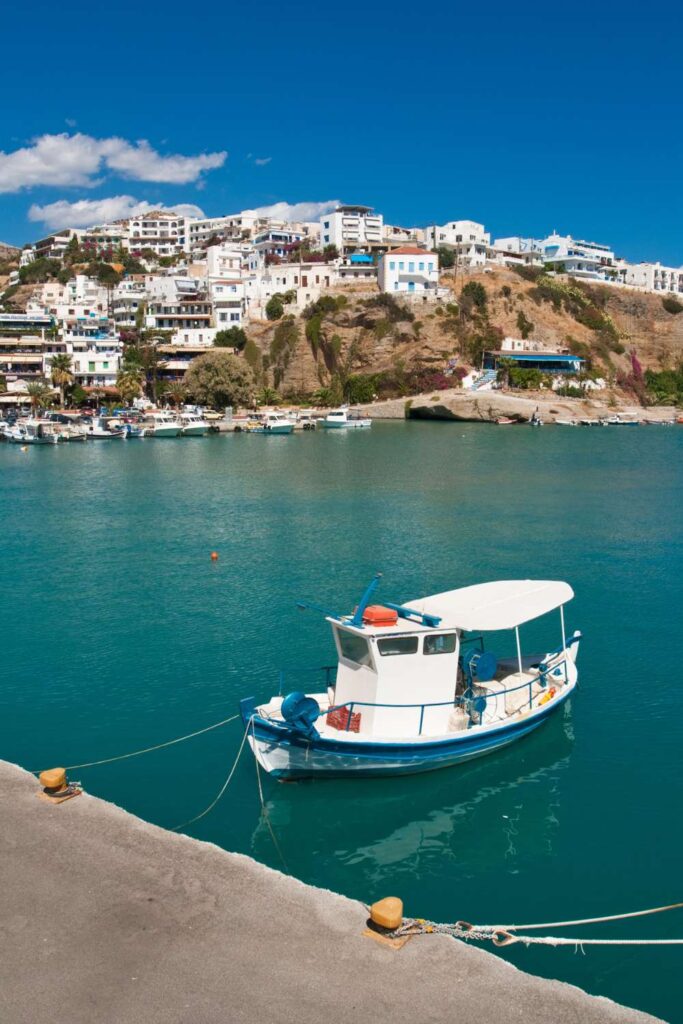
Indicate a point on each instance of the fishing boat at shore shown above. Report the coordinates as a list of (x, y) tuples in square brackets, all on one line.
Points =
[(271, 423), (342, 419), (32, 431), (102, 429), (415, 688), (162, 424), (193, 425)]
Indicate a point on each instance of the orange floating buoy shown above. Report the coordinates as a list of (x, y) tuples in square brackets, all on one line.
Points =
[(214, 556)]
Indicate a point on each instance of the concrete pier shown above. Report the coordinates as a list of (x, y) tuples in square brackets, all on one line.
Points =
[(109, 920)]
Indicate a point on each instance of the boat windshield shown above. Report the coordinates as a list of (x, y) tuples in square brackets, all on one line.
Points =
[(354, 648)]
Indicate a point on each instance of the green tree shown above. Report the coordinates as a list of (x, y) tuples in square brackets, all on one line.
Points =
[(72, 253), (176, 393), (232, 337), (446, 257), (40, 395), (275, 307), (61, 373), (219, 379), (473, 296), (505, 368), (129, 381), (268, 396)]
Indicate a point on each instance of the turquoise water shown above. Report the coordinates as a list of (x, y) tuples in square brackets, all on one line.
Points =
[(120, 632)]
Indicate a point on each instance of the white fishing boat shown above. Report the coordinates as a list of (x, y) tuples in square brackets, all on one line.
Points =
[(32, 431), (193, 425), (342, 419), (417, 686), (566, 423), (162, 424), (271, 423), (102, 429)]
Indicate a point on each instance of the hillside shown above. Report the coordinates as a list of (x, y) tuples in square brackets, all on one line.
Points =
[(407, 348)]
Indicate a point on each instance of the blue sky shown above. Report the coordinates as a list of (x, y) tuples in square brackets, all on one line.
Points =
[(525, 116)]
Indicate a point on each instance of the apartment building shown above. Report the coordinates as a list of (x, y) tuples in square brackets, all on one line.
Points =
[(163, 233), (408, 270), (469, 241), (653, 277), (589, 260), (352, 229)]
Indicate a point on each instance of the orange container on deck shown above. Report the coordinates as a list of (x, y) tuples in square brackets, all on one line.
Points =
[(376, 615)]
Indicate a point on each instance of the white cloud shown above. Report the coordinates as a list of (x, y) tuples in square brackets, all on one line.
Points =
[(295, 211), (261, 161), (86, 212), (63, 160)]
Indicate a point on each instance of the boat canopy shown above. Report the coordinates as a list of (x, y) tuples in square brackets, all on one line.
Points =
[(503, 604)]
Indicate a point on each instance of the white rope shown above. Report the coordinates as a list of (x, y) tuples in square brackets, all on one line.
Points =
[(264, 809), (587, 920), (549, 940), (146, 750), (176, 828)]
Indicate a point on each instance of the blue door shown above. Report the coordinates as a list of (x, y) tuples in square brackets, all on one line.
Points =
[(411, 286)]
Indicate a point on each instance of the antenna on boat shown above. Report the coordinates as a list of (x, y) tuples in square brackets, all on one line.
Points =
[(304, 606), (357, 619)]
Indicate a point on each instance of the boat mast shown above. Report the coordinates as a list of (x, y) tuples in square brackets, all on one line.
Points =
[(519, 650)]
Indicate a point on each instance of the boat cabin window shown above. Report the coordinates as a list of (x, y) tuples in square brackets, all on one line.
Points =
[(390, 645), (354, 648), (442, 643)]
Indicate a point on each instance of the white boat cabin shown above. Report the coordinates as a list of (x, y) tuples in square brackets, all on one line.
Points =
[(388, 675)]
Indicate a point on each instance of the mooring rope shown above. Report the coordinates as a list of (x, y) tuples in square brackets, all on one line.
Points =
[(176, 828), (591, 920), (264, 809), (506, 935), (145, 750)]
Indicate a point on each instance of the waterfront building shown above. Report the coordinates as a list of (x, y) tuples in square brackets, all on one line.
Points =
[(352, 229), (516, 251), (408, 269), (21, 358), (468, 240)]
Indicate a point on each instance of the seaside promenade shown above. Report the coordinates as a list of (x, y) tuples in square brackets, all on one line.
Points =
[(110, 920)]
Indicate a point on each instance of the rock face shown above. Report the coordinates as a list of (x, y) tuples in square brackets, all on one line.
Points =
[(489, 406)]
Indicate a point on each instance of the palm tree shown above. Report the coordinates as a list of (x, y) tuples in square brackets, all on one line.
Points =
[(61, 373), (129, 382), (40, 395), (176, 393), (268, 396)]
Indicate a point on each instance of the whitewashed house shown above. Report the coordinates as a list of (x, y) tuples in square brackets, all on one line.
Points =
[(351, 229), (653, 277), (408, 270), (468, 240)]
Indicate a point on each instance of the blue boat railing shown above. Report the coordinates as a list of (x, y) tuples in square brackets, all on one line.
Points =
[(470, 703)]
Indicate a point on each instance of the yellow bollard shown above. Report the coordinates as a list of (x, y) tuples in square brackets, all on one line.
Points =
[(387, 913), (56, 788), (54, 780), (385, 916)]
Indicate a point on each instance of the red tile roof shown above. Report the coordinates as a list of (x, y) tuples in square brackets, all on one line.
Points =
[(409, 250)]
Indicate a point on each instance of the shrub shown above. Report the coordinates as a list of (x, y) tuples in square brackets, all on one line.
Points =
[(360, 388), (232, 337), (527, 273), (394, 310), (524, 326), (275, 308), (473, 296), (672, 305)]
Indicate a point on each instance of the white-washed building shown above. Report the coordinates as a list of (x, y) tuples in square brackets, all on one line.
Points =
[(653, 277), (468, 240), (589, 260), (163, 233), (352, 229), (408, 270)]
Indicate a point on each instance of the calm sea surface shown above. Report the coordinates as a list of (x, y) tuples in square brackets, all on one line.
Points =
[(119, 632)]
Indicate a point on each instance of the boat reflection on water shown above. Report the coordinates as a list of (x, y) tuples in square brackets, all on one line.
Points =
[(494, 814)]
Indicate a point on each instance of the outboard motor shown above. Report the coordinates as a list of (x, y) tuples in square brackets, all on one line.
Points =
[(300, 712)]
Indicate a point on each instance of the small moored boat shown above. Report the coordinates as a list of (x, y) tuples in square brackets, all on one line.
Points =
[(102, 429), (415, 688), (193, 425), (161, 424), (340, 419), (271, 423)]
